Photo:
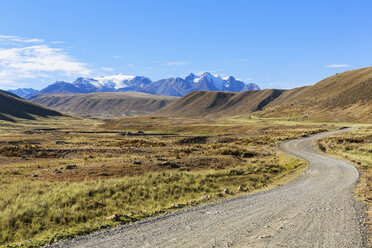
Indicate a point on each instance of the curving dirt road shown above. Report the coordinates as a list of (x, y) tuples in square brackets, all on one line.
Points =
[(315, 210)]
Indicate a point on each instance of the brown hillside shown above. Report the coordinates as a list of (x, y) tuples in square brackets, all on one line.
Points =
[(345, 96), (12, 107), (216, 104), (108, 104)]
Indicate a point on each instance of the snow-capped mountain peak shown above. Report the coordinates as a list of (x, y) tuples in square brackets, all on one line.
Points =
[(216, 80), (113, 81)]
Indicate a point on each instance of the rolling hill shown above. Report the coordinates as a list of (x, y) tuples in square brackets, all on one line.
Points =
[(218, 104), (104, 104), (12, 106), (345, 96)]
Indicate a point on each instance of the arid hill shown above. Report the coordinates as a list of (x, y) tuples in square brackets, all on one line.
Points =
[(217, 104), (12, 106), (107, 104), (345, 96)]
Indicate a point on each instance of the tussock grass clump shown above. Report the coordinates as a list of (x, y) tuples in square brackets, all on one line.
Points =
[(238, 152), (139, 142), (193, 140), (21, 150)]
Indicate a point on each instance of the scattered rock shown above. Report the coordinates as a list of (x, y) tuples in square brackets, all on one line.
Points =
[(226, 191), (71, 166), (173, 165), (136, 162), (183, 169), (265, 236), (240, 188), (166, 163), (205, 198), (35, 175), (160, 158), (177, 205), (114, 217), (249, 155), (58, 172)]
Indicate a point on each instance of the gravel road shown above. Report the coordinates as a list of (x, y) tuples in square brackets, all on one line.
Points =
[(315, 210)]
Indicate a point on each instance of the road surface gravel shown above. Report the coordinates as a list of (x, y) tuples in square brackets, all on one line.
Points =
[(315, 210)]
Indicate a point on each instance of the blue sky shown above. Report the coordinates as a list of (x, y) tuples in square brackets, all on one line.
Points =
[(276, 44)]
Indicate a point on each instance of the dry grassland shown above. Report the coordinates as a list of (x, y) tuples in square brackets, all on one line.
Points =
[(63, 177)]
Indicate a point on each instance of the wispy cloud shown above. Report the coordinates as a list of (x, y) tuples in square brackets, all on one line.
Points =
[(178, 63), (12, 38), (107, 68), (39, 61), (337, 66)]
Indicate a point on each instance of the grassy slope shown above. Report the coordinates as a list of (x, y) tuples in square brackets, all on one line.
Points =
[(215, 104), (12, 107), (345, 96), (108, 104), (355, 147)]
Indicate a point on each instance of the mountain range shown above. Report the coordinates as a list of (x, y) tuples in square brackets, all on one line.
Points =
[(122, 83)]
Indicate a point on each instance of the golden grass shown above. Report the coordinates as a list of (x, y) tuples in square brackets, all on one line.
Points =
[(134, 175), (36, 210)]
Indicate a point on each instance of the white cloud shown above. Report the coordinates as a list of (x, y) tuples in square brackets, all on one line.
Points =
[(12, 38), (337, 66), (56, 42), (39, 61), (107, 68), (178, 63)]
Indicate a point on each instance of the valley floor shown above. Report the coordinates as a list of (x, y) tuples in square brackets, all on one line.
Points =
[(315, 210), (63, 177)]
